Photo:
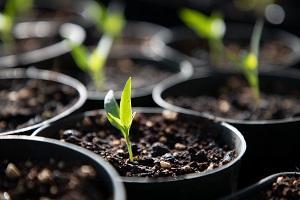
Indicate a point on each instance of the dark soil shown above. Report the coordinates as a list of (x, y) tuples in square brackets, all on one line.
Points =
[(272, 52), (117, 71), (164, 145), (45, 180), (234, 100), (284, 188), (26, 102)]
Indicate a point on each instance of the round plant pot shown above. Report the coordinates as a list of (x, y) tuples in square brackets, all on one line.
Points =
[(146, 71), (253, 191), (209, 184), (279, 50), (272, 144), (67, 90), (37, 149), (48, 41)]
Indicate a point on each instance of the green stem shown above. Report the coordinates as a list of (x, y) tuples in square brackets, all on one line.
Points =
[(128, 143), (216, 47)]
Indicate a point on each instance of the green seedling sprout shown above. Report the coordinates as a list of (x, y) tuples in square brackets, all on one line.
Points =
[(111, 22), (12, 9), (249, 62), (121, 117), (211, 28)]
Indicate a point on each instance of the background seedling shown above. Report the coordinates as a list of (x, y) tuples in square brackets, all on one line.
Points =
[(121, 117), (12, 9), (212, 28), (111, 22)]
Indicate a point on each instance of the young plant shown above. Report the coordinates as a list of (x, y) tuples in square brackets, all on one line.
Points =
[(211, 28), (249, 61), (12, 9), (112, 23), (121, 117)]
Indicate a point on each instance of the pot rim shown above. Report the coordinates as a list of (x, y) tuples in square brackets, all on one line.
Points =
[(146, 180), (48, 52), (33, 73), (168, 83), (115, 178), (263, 182)]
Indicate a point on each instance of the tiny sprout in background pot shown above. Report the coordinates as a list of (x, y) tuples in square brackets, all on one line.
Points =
[(12, 9), (111, 22), (121, 117), (211, 28)]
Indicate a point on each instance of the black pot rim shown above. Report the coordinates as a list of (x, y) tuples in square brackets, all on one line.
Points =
[(178, 178), (61, 47), (185, 70), (116, 182), (33, 73), (263, 181), (160, 88), (166, 37)]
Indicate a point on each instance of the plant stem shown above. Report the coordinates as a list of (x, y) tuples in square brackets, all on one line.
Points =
[(103, 48), (216, 47), (128, 143), (255, 38)]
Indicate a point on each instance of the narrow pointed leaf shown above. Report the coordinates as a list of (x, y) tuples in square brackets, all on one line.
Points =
[(115, 121), (96, 61), (125, 104), (110, 104), (79, 54)]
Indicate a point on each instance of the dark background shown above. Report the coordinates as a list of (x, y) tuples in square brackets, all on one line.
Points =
[(164, 12)]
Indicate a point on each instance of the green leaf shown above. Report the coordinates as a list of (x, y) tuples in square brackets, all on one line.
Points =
[(250, 61), (110, 104), (80, 55), (125, 105), (96, 61), (114, 23), (96, 12), (209, 27), (116, 122)]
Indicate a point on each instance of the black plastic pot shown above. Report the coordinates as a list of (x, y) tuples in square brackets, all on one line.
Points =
[(77, 11), (53, 31), (272, 144), (141, 97), (252, 191), (32, 73), (239, 33), (37, 148), (206, 185)]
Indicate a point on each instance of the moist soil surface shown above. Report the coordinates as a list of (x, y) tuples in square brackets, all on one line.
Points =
[(272, 52), (117, 71), (234, 100), (26, 102), (45, 180), (284, 188), (164, 145)]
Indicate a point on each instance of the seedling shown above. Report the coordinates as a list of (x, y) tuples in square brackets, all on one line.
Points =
[(121, 117), (12, 9), (211, 28), (249, 62), (111, 23)]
